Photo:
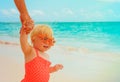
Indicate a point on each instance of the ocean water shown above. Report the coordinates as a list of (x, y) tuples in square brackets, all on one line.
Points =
[(92, 35)]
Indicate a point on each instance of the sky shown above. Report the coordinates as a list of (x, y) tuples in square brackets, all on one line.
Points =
[(63, 10)]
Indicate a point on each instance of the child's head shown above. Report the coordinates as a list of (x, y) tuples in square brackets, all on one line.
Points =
[(42, 37)]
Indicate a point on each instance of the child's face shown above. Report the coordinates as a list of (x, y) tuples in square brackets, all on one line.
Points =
[(44, 43)]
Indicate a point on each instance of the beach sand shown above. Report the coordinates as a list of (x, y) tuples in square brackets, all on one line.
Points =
[(80, 64), (11, 69)]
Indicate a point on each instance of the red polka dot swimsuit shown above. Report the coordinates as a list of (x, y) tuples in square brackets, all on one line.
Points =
[(37, 70)]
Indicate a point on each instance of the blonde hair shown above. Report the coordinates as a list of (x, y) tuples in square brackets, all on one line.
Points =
[(41, 29)]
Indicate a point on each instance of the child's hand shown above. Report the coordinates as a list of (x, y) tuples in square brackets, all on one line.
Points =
[(58, 67), (25, 30)]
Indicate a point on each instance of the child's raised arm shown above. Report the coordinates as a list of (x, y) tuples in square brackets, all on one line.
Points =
[(25, 46)]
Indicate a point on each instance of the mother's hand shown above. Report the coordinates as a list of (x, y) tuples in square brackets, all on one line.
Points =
[(27, 22)]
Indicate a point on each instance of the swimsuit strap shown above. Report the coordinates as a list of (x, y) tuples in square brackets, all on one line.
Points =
[(36, 50)]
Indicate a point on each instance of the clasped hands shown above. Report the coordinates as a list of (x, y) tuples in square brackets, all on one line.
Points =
[(27, 23)]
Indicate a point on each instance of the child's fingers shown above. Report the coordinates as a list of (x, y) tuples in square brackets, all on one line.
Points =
[(28, 31), (25, 29), (59, 66)]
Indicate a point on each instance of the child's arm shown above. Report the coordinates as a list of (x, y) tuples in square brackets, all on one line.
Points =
[(26, 48), (55, 68)]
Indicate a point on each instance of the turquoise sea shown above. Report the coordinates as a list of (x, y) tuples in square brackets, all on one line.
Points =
[(92, 35)]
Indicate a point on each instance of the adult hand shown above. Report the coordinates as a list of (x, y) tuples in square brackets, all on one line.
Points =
[(27, 22)]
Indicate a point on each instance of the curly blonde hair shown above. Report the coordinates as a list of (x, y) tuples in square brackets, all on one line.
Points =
[(41, 29)]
